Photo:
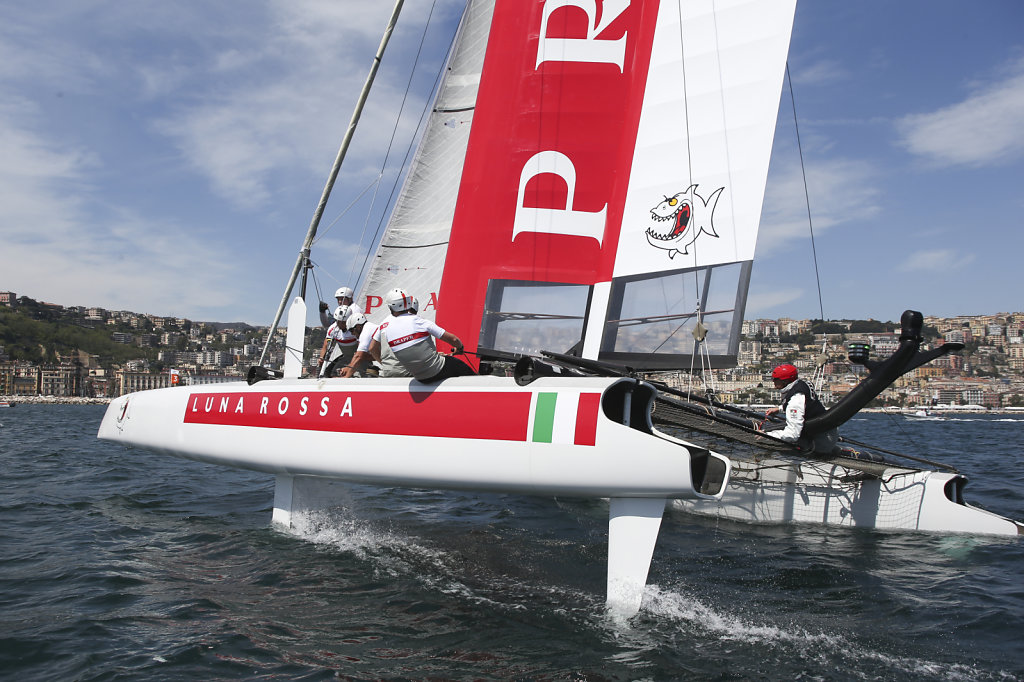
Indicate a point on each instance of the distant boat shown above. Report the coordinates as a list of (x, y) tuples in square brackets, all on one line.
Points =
[(924, 415), (4, 403)]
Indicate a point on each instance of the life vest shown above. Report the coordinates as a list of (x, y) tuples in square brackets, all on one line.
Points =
[(812, 406)]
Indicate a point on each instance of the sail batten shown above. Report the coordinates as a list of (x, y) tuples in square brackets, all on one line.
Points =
[(413, 246)]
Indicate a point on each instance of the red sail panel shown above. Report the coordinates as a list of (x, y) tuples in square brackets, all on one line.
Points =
[(549, 156)]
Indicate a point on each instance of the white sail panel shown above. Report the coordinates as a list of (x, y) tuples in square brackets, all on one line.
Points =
[(696, 185), (705, 134), (412, 251)]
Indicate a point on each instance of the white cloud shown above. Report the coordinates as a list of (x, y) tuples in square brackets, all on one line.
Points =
[(161, 80), (136, 263), (27, 156), (841, 191), (820, 72), (983, 129), (66, 246), (104, 193), (35, 177), (937, 260), (282, 110), (336, 259), (765, 301)]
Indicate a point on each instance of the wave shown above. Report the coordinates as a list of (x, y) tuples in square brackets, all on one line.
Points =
[(790, 648), (469, 567)]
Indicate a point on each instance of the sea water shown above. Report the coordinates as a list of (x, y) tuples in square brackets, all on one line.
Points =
[(118, 563)]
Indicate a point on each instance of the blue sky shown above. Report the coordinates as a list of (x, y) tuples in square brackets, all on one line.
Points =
[(167, 157)]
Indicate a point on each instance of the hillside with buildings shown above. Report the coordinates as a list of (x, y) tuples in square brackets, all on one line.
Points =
[(988, 372), (52, 350), (48, 349)]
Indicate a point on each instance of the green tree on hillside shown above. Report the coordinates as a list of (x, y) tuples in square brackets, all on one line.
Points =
[(870, 327), (40, 340), (822, 327)]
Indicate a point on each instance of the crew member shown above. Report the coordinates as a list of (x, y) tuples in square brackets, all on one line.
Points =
[(361, 359), (404, 343), (799, 404), (344, 297), (339, 342)]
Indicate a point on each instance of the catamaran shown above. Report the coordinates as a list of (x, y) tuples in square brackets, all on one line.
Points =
[(584, 203)]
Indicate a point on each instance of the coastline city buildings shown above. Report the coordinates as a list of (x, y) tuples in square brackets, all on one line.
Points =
[(989, 372)]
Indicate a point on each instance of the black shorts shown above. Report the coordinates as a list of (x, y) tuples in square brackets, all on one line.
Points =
[(453, 367)]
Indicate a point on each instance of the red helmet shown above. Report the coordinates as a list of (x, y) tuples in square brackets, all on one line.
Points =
[(784, 372)]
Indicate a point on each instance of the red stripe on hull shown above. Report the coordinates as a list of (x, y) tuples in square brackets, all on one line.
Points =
[(491, 416), (586, 419)]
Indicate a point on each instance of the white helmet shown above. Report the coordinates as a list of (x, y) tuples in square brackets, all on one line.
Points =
[(341, 313), (356, 320), (343, 292), (398, 300)]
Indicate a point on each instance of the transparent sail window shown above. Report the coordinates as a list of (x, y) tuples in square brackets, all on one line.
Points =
[(527, 317), (651, 318)]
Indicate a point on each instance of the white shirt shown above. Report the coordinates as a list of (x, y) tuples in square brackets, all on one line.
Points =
[(409, 339), (795, 411), (406, 331), (343, 336), (366, 337)]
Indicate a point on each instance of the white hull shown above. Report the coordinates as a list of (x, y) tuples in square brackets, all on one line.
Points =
[(477, 433), (923, 415), (794, 491), (342, 434), (587, 437), (581, 437)]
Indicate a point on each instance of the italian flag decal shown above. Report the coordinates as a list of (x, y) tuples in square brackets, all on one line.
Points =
[(565, 418)]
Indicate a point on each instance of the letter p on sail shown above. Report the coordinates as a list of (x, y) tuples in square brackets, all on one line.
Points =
[(554, 220)]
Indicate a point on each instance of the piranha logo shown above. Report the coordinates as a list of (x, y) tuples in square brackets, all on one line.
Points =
[(689, 215)]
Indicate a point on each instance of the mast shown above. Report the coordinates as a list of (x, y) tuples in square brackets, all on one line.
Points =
[(302, 262)]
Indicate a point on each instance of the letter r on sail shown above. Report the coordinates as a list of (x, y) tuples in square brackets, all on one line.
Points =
[(553, 220), (591, 48)]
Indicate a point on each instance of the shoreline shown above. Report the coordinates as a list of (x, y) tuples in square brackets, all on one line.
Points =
[(51, 400)]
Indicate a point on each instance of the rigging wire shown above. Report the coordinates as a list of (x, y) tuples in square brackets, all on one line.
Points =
[(686, 126), (316, 285), (427, 106), (689, 171), (327, 272), (819, 371), (700, 331), (807, 195), (394, 185), (341, 215)]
